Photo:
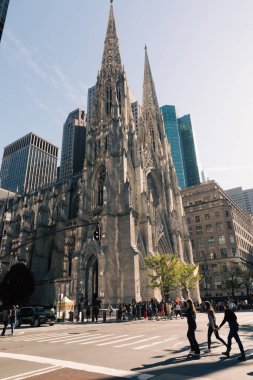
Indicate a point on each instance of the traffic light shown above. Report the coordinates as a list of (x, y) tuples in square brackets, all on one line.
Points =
[(97, 232)]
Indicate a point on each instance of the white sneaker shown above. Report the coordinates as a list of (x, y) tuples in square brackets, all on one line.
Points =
[(207, 350)]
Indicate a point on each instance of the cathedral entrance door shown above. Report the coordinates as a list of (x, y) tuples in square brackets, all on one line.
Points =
[(91, 280)]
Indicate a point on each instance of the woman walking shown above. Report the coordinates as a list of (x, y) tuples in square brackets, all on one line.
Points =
[(212, 327), (191, 320)]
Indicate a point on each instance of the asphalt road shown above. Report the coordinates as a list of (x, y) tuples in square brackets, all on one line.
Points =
[(138, 350)]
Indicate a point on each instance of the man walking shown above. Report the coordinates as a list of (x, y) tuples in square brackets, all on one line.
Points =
[(231, 318)]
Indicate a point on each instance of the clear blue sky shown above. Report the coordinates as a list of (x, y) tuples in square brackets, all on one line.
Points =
[(201, 54)]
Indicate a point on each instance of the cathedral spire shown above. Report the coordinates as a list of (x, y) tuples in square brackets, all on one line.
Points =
[(111, 55), (149, 98)]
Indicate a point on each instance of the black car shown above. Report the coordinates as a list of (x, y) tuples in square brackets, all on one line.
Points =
[(34, 316)]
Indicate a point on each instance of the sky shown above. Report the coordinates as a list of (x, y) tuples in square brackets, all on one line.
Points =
[(201, 56)]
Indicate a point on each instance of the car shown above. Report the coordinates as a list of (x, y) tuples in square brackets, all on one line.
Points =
[(30, 315)]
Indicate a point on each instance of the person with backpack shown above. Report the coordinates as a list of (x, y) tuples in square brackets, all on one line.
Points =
[(212, 327), (231, 318), (191, 320)]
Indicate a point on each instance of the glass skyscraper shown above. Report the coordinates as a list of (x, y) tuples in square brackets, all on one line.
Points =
[(3, 12), (73, 144), (28, 163), (172, 133), (191, 170)]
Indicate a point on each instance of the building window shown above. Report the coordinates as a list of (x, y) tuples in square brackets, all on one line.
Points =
[(192, 241), (211, 241), (222, 240), (219, 227), (199, 230), (209, 228), (212, 255), (188, 220), (197, 218), (229, 225), (215, 267), (201, 243), (227, 213), (207, 216), (190, 229), (223, 252), (234, 251), (231, 238)]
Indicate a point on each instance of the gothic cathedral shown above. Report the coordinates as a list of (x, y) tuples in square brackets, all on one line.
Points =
[(128, 185)]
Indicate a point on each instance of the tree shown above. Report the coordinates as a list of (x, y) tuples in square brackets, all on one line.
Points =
[(232, 279), (189, 276), (246, 278), (165, 270), (17, 285)]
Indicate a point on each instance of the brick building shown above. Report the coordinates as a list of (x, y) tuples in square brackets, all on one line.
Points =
[(221, 235)]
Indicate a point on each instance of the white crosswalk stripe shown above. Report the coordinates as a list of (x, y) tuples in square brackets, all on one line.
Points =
[(135, 342)]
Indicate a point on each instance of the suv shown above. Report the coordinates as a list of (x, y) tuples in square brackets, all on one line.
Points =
[(34, 316)]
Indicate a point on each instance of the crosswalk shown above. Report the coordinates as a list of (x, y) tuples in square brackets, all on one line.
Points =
[(135, 342)]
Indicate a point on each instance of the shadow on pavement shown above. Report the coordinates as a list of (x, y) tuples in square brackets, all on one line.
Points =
[(191, 367)]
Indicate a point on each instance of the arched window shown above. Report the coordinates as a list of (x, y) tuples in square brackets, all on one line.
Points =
[(152, 134), (108, 100), (101, 181)]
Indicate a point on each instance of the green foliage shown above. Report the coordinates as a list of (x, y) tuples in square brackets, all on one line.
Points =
[(168, 271), (189, 276), (17, 285)]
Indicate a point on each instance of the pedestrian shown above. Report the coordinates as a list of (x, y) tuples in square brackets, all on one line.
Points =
[(191, 320), (212, 327), (88, 313), (96, 312), (110, 309), (231, 318), (169, 310), (178, 310), (5, 321), (13, 318)]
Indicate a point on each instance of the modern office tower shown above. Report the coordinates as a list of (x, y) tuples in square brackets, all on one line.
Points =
[(3, 12), (222, 238), (136, 110), (28, 164), (172, 133), (191, 170), (244, 198), (73, 144), (91, 97)]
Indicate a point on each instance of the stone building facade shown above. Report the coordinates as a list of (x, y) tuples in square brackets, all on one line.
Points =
[(221, 235), (128, 185)]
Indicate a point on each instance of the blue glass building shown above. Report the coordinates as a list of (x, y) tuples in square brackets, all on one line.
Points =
[(191, 170), (3, 12), (172, 133)]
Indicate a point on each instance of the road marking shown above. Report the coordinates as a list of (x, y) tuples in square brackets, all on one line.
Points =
[(151, 345), (75, 365), (102, 340), (87, 338), (139, 341), (58, 338), (33, 373), (67, 338), (120, 340), (41, 336)]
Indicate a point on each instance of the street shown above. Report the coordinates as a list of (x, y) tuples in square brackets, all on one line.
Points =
[(138, 349)]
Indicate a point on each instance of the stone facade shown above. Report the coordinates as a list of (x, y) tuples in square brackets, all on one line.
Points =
[(221, 235), (128, 185)]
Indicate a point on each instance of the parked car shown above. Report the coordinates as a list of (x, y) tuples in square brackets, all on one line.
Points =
[(50, 317), (34, 316)]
